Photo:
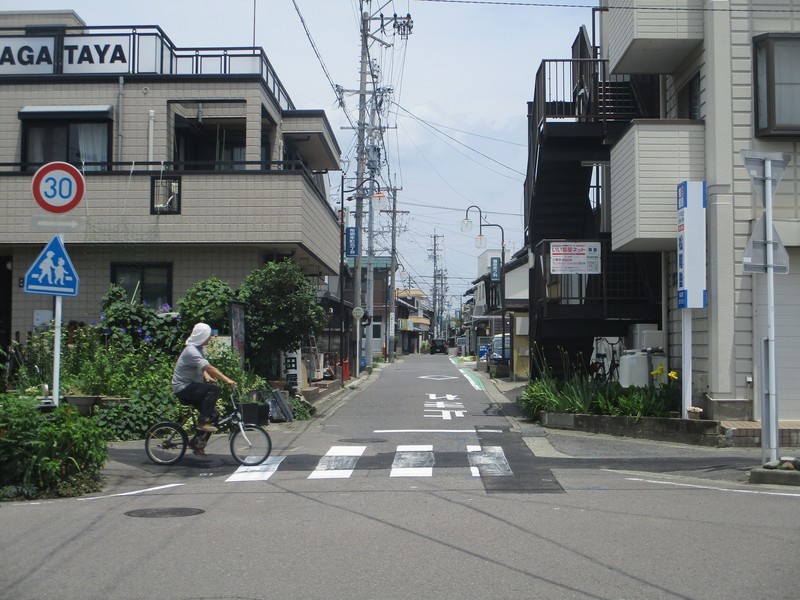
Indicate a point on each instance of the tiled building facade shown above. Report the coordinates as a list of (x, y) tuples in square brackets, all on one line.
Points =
[(196, 163)]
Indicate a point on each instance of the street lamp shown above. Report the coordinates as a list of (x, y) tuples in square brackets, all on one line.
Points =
[(480, 243), (358, 274)]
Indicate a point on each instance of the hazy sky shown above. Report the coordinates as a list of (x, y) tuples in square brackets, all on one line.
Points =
[(457, 128)]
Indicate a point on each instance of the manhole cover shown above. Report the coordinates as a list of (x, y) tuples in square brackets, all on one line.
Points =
[(162, 513), (363, 441)]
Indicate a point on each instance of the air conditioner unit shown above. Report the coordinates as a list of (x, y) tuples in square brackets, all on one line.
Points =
[(644, 335)]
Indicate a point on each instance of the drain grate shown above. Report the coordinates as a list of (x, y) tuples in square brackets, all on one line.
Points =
[(362, 441), (163, 513)]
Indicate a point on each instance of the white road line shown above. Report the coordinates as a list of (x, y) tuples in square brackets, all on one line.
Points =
[(413, 461), (714, 488), (152, 489), (489, 461), (338, 463), (473, 469), (423, 431), (260, 472)]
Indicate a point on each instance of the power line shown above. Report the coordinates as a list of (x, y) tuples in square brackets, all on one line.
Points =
[(641, 8), (468, 147), (334, 87)]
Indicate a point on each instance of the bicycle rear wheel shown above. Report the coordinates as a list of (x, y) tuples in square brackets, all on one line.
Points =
[(165, 443), (251, 448)]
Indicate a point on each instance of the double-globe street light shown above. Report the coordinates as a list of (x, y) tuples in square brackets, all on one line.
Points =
[(356, 301), (480, 242)]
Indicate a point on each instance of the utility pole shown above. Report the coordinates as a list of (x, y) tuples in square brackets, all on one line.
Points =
[(373, 151), (402, 26), (361, 159), (391, 297), (438, 285)]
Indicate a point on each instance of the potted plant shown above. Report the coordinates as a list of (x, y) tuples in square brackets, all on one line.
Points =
[(254, 408)]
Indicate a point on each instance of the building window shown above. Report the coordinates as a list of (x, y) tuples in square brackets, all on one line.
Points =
[(152, 281), (77, 135), (689, 99), (776, 75), (165, 195)]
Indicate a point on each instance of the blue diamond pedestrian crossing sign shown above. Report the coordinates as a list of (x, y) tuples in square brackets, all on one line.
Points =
[(52, 273)]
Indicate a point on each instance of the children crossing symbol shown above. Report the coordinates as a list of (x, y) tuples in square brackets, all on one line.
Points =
[(52, 272)]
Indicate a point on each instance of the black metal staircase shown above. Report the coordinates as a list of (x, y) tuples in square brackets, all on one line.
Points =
[(576, 114)]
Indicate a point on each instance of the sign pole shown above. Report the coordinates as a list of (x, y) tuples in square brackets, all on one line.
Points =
[(57, 353), (686, 361), (692, 291), (772, 395)]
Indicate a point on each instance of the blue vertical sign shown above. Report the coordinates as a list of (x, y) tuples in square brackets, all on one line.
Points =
[(351, 241), (52, 272), (692, 291)]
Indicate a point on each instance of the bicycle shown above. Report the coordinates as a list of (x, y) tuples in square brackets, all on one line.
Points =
[(166, 442), (597, 369)]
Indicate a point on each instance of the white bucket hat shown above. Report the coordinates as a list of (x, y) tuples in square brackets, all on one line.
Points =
[(200, 335)]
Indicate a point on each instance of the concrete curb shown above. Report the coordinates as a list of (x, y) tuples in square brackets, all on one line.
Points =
[(774, 477)]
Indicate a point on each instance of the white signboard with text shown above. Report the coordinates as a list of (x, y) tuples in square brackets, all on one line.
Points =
[(79, 54), (575, 257)]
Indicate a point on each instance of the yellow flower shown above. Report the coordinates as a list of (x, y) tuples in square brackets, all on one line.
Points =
[(673, 375), (658, 372)]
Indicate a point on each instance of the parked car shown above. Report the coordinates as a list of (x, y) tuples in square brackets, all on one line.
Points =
[(497, 349), (438, 345)]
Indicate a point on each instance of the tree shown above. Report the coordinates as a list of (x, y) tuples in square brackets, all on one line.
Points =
[(207, 301), (282, 311)]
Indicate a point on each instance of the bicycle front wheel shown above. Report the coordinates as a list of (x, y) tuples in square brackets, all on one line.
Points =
[(165, 443), (251, 447)]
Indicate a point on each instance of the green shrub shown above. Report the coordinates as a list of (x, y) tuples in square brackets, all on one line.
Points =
[(47, 454), (302, 409), (156, 327), (540, 395), (207, 301)]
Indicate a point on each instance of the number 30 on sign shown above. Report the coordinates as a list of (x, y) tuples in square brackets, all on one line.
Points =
[(58, 187)]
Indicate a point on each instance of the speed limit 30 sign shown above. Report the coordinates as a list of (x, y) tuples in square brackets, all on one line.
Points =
[(58, 187)]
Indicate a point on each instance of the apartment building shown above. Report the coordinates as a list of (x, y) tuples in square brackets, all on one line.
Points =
[(669, 91), (196, 163)]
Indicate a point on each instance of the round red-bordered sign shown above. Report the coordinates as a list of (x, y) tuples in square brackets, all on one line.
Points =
[(58, 187)]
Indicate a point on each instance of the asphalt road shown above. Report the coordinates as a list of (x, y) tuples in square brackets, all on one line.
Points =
[(415, 484)]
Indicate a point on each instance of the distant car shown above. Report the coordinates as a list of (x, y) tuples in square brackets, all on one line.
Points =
[(439, 345), (497, 349)]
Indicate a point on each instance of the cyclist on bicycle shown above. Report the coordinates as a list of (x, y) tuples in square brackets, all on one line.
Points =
[(193, 378)]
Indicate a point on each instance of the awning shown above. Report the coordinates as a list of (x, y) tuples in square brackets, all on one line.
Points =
[(68, 111)]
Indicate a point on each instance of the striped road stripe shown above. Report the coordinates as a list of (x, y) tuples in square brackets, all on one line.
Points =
[(489, 461), (413, 461), (338, 463), (260, 472)]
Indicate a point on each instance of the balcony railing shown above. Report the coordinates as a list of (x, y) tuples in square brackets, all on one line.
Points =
[(146, 50), (583, 90), (167, 166)]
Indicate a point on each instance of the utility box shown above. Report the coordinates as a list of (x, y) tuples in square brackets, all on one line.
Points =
[(635, 367)]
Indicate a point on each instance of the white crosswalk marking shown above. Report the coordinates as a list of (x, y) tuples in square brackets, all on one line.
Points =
[(260, 472), (413, 461), (338, 463), (489, 461)]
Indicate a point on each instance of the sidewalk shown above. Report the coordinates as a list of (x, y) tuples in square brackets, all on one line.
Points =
[(784, 472)]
